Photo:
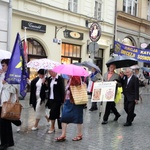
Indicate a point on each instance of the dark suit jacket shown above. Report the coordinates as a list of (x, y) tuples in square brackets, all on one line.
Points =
[(131, 90), (58, 89), (33, 99)]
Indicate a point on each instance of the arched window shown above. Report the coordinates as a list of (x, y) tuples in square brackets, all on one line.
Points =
[(35, 51), (35, 48), (128, 41)]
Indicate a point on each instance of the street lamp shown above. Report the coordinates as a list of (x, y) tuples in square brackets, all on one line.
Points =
[(58, 28)]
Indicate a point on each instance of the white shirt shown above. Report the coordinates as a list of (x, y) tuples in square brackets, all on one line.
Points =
[(52, 87), (38, 86), (129, 79)]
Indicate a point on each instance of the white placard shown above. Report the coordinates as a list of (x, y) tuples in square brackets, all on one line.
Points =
[(103, 91)]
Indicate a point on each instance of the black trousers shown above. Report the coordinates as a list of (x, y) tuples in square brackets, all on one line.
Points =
[(94, 105), (16, 122), (129, 107), (110, 106), (6, 132)]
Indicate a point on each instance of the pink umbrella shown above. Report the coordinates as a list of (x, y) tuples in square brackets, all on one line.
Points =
[(71, 69)]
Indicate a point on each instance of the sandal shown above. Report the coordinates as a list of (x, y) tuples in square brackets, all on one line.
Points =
[(61, 139), (77, 138)]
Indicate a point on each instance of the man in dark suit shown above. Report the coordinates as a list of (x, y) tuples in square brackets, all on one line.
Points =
[(131, 94)]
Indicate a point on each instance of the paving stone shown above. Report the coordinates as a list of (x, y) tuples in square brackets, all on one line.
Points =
[(113, 136)]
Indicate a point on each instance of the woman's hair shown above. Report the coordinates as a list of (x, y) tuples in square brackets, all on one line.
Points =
[(5, 61), (42, 71)]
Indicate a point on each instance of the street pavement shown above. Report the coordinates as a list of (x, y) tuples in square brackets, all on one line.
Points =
[(113, 136)]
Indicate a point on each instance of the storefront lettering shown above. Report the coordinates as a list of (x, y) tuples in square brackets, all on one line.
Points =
[(34, 26)]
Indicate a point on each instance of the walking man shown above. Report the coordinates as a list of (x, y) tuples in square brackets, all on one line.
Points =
[(131, 94)]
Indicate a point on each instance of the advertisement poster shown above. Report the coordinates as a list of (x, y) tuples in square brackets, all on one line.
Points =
[(103, 91)]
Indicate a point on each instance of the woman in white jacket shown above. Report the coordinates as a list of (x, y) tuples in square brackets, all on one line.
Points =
[(6, 90)]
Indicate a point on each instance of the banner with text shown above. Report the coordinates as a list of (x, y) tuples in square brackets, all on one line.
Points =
[(137, 53)]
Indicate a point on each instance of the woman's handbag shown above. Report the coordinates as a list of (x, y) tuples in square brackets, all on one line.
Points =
[(11, 110), (79, 94), (141, 83)]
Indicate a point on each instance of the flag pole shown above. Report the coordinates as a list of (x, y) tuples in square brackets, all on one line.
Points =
[(25, 45)]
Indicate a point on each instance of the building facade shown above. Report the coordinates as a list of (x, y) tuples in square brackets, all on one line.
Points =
[(133, 23), (59, 29), (5, 24)]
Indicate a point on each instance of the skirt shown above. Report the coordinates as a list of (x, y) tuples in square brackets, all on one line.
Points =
[(40, 109), (72, 113)]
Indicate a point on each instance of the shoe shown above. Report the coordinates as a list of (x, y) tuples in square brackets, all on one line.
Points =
[(19, 127), (116, 117), (61, 139), (9, 145), (104, 122), (51, 131), (34, 128), (85, 107), (77, 138), (128, 124), (92, 109), (3, 147), (134, 115)]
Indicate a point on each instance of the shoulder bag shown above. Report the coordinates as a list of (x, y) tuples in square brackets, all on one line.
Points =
[(79, 94), (11, 110)]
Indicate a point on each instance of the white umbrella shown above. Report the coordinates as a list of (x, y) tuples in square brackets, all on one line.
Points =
[(43, 63), (135, 67), (4, 54)]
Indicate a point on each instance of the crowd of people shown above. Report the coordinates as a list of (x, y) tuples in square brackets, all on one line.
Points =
[(51, 92)]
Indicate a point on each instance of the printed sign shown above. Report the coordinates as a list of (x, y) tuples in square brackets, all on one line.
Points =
[(95, 32), (33, 26), (103, 91)]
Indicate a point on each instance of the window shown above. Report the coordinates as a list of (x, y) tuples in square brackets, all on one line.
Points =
[(128, 41), (35, 48), (73, 5), (70, 53), (98, 9), (148, 12), (130, 6)]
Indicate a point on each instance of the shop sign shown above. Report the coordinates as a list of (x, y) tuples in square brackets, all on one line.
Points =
[(33, 26), (95, 32), (73, 35)]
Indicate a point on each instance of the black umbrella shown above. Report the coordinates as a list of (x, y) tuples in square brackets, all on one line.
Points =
[(122, 61)]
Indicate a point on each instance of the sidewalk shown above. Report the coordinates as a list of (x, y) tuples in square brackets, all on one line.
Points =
[(113, 136)]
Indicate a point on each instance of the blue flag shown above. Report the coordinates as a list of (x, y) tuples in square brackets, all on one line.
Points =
[(17, 69)]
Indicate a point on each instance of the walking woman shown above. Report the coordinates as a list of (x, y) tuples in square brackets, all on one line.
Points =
[(38, 97), (141, 78), (56, 96), (71, 113), (6, 91)]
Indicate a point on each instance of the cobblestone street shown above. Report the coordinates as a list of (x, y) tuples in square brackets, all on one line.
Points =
[(113, 136)]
